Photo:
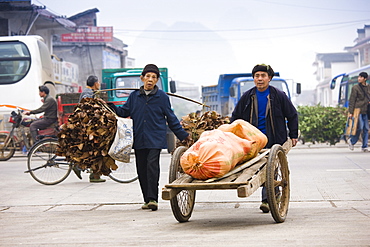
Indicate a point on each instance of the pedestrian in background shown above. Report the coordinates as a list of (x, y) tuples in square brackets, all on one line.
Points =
[(93, 84), (50, 110), (270, 110), (359, 98), (150, 109)]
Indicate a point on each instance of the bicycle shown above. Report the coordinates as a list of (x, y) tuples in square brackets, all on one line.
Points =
[(19, 136), (49, 169)]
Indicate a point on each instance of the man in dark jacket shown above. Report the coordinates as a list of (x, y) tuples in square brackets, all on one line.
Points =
[(50, 109), (270, 110), (150, 109), (359, 99)]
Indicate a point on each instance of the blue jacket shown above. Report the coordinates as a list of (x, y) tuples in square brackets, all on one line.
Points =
[(150, 114), (280, 113)]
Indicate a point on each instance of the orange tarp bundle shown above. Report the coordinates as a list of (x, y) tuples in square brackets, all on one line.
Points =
[(214, 154), (247, 131)]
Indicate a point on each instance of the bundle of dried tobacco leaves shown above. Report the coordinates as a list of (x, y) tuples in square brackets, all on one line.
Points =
[(87, 137)]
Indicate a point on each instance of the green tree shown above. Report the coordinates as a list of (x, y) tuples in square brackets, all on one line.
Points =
[(322, 124)]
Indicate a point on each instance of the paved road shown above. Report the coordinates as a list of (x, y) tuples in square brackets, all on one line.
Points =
[(330, 206)]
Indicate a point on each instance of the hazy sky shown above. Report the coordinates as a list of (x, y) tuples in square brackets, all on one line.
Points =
[(200, 39)]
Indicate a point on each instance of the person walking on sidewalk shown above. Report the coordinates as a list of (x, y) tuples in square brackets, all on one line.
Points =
[(359, 98), (93, 84), (270, 110), (150, 109)]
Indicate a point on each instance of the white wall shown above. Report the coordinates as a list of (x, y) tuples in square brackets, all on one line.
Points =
[(326, 96)]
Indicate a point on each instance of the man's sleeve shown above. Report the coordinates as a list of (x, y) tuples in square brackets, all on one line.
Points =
[(291, 115), (44, 106), (352, 100)]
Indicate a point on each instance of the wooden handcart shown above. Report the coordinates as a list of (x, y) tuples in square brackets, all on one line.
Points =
[(269, 168)]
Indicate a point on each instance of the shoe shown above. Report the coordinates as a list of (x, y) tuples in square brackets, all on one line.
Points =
[(145, 206), (97, 180), (265, 207), (153, 205), (351, 146), (365, 150), (77, 172)]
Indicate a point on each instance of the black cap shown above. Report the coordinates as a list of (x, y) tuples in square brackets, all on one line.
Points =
[(150, 68), (363, 74), (264, 68)]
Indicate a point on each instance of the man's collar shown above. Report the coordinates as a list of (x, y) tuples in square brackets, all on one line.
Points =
[(154, 91)]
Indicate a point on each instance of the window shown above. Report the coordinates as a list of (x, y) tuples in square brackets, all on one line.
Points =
[(15, 61)]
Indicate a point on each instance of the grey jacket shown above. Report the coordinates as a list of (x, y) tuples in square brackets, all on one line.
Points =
[(358, 99), (49, 108), (87, 93)]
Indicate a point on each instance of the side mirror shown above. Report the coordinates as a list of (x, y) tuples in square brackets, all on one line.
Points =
[(332, 83), (172, 86), (298, 89), (232, 92)]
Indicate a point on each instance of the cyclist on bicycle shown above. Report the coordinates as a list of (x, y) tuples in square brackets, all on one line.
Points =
[(49, 107)]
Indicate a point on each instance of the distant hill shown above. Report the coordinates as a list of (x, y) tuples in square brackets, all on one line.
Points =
[(190, 56)]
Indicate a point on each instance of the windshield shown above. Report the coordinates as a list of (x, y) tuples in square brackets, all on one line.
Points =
[(279, 84), (15, 61), (133, 82)]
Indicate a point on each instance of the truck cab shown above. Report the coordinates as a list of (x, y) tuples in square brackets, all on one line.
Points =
[(127, 78), (242, 84), (224, 96)]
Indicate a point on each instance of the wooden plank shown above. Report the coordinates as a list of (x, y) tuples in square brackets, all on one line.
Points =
[(205, 186), (230, 178), (185, 178), (351, 126), (287, 146), (168, 194), (250, 171), (240, 167), (253, 185)]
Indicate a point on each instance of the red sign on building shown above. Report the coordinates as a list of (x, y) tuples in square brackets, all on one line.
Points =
[(90, 34)]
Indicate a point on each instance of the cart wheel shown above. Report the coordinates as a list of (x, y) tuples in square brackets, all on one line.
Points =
[(277, 183), (183, 203)]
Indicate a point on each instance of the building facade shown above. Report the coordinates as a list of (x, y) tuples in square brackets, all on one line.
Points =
[(91, 56), (327, 66)]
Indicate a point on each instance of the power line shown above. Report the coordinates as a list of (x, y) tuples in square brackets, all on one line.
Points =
[(309, 7), (240, 30), (192, 39)]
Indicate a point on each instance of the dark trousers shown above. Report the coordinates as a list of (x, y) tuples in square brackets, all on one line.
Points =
[(147, 166), (40, 124)]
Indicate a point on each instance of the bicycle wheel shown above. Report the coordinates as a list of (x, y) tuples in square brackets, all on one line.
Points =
[(126, 172), (277, 183), (45, 166), (6, 152), (182, 204)]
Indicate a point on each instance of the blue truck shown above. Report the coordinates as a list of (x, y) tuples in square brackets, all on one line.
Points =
[(224, 96)]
